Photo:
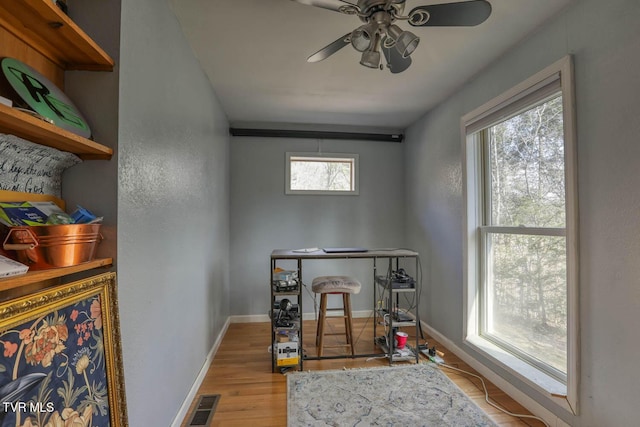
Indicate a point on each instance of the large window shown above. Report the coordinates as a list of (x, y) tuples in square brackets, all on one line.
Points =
[(311, 173), (521, 218), (523, 302)]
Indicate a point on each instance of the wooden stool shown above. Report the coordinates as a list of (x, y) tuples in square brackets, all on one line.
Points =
[(344, 285)]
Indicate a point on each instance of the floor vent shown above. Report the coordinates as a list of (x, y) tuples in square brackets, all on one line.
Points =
[(204, 410)]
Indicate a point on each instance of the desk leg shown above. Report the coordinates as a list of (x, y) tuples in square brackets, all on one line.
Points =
[(419, 333), (271, 310), (375, 299), (300, 313), (390, 336)]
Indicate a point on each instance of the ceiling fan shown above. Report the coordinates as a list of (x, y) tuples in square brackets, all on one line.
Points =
[(379, 33)]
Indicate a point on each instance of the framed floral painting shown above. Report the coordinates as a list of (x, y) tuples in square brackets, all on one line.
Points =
[(61, 359)]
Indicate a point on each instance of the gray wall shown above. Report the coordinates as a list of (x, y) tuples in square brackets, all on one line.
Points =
[(605, 42), (263, 218), (173, 205), (93, 184)]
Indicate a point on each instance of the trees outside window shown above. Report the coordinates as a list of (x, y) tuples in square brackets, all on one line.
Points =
[(525, 293), (309, 173)]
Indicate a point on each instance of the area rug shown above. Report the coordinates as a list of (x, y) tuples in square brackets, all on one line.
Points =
[(399, 396)]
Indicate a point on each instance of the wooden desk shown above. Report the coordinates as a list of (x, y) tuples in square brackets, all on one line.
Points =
[(391, 256)]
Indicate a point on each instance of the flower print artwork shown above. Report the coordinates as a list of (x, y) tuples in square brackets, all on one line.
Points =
[(56, 363), (86, 321), (46, 342), (9, 348), (96, 314)]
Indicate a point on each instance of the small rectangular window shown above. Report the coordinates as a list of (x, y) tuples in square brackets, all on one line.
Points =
[(329, 173)]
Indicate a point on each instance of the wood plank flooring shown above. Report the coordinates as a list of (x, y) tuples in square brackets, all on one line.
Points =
[(252, 395)]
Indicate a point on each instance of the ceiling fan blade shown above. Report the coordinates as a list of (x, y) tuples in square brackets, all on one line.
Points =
[(335, 5), (461, 14), (395, 61), (330, 49)]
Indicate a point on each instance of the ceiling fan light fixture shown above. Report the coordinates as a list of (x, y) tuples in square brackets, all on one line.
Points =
[(394, 32), (370, 58), (406, 43), (362, 37)]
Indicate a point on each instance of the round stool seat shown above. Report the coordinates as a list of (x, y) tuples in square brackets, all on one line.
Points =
[(325, 285), (335, 284)]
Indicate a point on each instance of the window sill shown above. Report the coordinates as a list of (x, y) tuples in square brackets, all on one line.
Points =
[(530, 375)]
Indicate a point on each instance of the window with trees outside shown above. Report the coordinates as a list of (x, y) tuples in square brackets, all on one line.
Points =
[(328, 173), (521, 227)]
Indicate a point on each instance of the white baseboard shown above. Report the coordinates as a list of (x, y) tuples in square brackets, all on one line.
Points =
[(515, 393), (251, 318), (186, 404)]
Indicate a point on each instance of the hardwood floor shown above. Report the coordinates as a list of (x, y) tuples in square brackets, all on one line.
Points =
[(252, 395)]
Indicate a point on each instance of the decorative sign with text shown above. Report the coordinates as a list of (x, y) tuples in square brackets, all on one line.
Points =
[(44, 97), (32, 168)]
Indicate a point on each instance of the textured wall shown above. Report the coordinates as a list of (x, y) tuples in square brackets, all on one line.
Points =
[(173, 208), (263, 218), (605, 42), (93, 184)]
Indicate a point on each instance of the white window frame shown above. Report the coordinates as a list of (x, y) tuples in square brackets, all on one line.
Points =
[(565, 394), (341, 157)]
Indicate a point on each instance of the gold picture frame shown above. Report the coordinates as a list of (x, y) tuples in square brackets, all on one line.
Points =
[(61, 357)]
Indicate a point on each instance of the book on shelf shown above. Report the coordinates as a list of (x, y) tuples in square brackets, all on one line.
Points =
[(9, 267)]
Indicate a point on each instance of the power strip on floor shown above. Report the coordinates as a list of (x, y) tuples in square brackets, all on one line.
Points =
[(435, 359)]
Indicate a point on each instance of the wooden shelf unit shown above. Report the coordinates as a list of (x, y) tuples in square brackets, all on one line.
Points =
[(46, 29), (39, 34), (21, 124), (31, 277)]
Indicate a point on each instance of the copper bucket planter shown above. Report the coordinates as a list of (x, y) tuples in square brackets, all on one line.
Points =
[(53, 246)]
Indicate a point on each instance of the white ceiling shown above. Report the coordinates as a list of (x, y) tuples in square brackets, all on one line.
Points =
[(254, 52)]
